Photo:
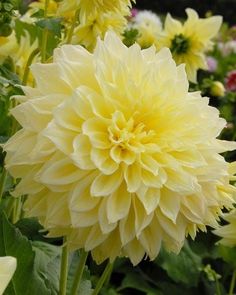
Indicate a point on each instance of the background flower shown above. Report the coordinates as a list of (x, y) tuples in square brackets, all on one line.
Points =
[(149, 26), (228, 232), (231, 81), (189, 41)]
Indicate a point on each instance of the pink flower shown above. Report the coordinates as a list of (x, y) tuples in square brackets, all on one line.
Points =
[(134, 12), (231, 81), (212, 64)]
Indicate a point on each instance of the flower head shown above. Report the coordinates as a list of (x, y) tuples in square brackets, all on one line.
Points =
[(86, 34), (24, 49), (211, 64), (149, 27), (7, 269), (231, 81), (90, 9), (40, 4), (228, 232), (8, 46), (116, 154), (188, 42)]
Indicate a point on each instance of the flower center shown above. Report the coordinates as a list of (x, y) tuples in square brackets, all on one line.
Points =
[(180, 44), (125, 133)]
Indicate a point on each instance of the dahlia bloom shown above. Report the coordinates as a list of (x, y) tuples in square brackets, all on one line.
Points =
[(189, 41), (23, 52), (116, 154), (149, 26), (228, 232), (40, 4), (7, 269), (91, 8), (231, 81), (8, 45), (18, 51), (96, 18), (86, 34)]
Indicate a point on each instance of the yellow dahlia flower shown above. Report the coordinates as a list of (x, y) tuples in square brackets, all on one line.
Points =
[(228, 232), (149, 27), (189, 41), (23, 52), (116, 154), (86, 34), (8, 45), (7, 269), (89, 9), (40, 4)]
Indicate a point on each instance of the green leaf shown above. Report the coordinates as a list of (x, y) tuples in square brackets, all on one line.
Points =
[(85, 285), (51, 24), (135, 281), (227, 254), (183, 268), (35, 263), (47, 260)]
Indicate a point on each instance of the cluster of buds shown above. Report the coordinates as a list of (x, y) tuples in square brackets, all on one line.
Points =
[(6, 14)]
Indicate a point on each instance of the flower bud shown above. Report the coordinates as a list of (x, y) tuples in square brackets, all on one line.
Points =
[(217, 89)]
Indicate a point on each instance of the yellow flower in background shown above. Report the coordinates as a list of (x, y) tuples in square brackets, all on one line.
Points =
[(18, 51), (90, 9), (40, 5), (86, 34), (149, 27), (8, 45), (188, 42), (7, 269), (24, 49), (116, 154), (228, 232)]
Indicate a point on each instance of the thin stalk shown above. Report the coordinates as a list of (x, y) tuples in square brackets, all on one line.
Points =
[(17, 210), (45, 35), (79, 272), (44, 45), (46, 8), (218, 291), (2, 182), (28, 64), (232, 283), (72, 28), (64, 268), (103, 278), (4, 172), (10, 208)]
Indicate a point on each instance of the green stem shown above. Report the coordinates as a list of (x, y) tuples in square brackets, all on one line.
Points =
[(28, 64), (79, 272), (45, 35), (46, 8), (218, 291), (72, 28), (108, 276), (2, 182), (17, 210), (44, 45), (103, 278), (232, 283), (64, 268)]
